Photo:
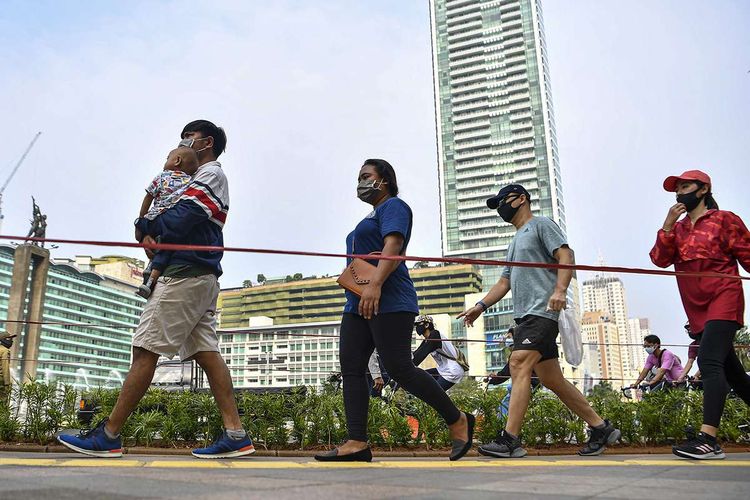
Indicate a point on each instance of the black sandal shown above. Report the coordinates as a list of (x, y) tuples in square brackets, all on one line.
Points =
[(461, 448), (364, 455)]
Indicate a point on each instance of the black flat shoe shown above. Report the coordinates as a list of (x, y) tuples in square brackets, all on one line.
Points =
[(333, 456), (461, 448)]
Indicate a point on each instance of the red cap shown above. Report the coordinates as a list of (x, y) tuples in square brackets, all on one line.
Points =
[(670, 183)]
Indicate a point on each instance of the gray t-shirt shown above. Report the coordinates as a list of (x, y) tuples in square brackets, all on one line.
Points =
[(532, 287)]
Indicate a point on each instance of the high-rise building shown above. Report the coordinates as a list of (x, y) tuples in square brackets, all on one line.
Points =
[(638, 328), (495, 126), (69, 352), (606, 293), (597, 328)]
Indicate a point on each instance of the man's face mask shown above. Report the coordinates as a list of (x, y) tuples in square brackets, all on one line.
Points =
[(690, 200), (650, 349), (189, 142), (506, 210), (368, 190)]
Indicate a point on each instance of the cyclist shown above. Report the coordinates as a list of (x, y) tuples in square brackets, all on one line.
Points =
[(449, 360), (662, 367)]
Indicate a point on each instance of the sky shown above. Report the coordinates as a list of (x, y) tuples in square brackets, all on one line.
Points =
[(307, 90)]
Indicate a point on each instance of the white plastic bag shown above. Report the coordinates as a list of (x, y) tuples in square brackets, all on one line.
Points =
[(570, 332)]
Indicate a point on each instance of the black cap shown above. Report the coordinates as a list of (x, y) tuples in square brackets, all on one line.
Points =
[(494, 202)]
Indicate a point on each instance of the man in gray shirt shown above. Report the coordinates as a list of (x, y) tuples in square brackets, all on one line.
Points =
[(539, 294)]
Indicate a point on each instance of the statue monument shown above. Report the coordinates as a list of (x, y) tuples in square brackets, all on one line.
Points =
[(38, 224)]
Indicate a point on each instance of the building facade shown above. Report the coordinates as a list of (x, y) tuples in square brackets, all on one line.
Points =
[(638, 328), (440, 289), (598, 329), (68, 352), (605, 293), (265, 355), (495, 126)]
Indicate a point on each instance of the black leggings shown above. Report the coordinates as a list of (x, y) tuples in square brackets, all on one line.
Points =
[(391, 334), (720, 368)]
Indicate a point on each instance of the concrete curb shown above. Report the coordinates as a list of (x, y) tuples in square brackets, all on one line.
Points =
[(139, 450)]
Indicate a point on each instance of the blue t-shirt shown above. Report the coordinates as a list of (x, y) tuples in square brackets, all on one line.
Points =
[(398, 293)]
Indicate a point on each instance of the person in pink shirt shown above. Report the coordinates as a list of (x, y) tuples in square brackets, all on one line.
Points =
[(663, 364)]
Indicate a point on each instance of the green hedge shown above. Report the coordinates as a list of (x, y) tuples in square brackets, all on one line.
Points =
[(308, 419)]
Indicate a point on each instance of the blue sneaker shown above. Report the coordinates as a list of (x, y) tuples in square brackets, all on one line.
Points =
[(94, 442), (226, 447)]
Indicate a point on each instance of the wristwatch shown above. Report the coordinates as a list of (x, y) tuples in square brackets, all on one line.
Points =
[(482, 305)]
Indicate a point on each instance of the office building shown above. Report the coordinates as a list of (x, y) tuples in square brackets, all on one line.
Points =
[(495, 126), (440, 289)]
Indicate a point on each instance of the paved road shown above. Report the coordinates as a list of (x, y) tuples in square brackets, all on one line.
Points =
[(64, 476)]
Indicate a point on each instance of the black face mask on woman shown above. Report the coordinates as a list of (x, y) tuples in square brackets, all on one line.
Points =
[(690, 200)]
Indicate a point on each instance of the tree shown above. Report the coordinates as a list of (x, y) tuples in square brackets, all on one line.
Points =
[(247, 284), (743, 339), (421, 264), (261, 278), (297, 276)]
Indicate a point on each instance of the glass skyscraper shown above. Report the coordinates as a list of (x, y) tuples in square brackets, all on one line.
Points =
[(495, 126)]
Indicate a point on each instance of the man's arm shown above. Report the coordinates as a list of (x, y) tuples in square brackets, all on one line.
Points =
[(175, 223), (559, 299), (495, 295)]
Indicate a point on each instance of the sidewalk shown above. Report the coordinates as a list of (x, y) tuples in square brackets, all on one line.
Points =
[(64, 476)]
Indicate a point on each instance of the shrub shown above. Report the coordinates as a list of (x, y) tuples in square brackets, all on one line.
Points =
[(38, 410)]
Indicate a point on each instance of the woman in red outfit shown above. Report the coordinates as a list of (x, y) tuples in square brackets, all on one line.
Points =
[(712, 241)]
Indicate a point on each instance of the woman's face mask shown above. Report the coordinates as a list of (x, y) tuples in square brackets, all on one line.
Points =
[(650, 349), (690, 200), (369, 190)]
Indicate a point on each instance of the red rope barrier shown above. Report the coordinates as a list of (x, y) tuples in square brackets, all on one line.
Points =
[(407, 258)]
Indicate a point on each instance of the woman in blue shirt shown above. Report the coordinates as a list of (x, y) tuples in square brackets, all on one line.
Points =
[(383, 318)]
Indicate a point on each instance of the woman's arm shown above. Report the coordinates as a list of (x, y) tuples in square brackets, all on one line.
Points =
[(370, 300), (686, 370)]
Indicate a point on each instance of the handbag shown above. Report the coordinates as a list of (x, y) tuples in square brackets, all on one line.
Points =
[(357, 274)]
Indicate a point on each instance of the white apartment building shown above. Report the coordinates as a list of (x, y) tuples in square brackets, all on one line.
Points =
[(265, 355)]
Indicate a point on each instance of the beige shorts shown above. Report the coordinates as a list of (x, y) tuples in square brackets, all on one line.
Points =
[(180, 317)]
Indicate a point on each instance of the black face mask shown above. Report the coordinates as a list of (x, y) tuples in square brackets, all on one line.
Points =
[(690, 200), (506, 210), (420, 329)]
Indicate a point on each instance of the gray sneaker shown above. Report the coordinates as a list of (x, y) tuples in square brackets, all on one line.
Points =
[(504, 446), (600, 439)]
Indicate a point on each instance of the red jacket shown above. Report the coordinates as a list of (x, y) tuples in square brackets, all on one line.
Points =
[(715, 244)]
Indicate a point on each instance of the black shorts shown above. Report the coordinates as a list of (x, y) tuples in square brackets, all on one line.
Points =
[(535, 333)]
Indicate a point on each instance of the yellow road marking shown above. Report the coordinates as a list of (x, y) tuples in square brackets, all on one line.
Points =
[(28, 461), (396, 464), (192, 464), (96, 462)]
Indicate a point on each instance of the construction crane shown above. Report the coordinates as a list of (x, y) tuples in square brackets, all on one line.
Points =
[(13, 173)]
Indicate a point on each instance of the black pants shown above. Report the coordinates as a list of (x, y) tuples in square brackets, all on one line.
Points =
[(444, 384), (391, 334), (720, 368)]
